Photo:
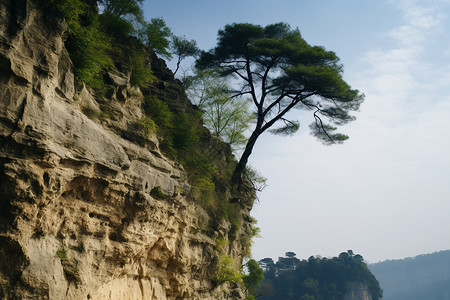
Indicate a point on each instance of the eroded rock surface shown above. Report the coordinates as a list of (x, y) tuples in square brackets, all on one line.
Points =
[(77, 217), (359, 291)]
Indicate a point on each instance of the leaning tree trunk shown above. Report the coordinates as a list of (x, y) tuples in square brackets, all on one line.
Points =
[(239, 170)]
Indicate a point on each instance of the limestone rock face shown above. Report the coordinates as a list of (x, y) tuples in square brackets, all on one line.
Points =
[(77, 216), (359, 291)]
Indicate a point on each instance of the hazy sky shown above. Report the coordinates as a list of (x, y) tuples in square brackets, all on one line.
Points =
[(385, 193)]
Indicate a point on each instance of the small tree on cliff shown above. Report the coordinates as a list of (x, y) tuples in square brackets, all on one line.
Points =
[(278, 70), (227, 120), (183, 48)]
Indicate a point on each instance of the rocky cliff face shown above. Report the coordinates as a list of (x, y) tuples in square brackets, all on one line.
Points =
[(359, 291), (77, 216)]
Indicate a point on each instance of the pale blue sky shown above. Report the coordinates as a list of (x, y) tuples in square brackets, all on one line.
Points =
[(386, 192)]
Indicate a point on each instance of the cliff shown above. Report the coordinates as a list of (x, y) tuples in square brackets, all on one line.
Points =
[(90, 208)]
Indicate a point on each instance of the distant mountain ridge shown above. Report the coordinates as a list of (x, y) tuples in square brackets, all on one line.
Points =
[(424, 277)]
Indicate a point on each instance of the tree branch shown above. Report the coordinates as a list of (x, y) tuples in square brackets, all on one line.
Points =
[(264, 92), (319, 120), (273, 104), (294, 102), (239, 94), (252, 87), (240, 75)]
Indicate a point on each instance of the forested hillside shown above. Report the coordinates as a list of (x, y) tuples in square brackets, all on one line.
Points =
[(342, 277), (424, 277)]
